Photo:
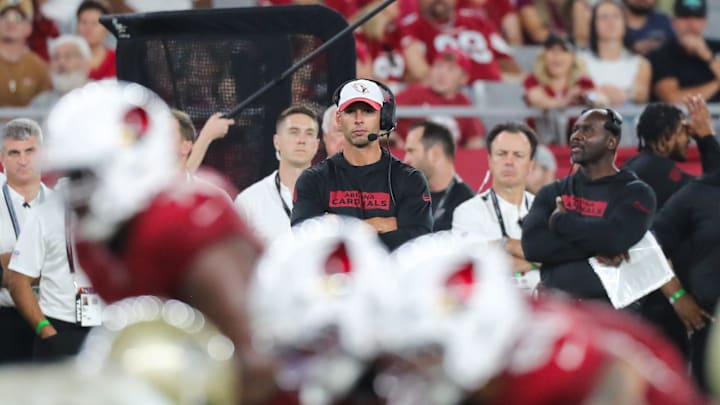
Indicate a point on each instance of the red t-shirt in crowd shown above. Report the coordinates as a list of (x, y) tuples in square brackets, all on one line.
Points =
[(419, 94), (531, 81), (472, 32), (106, 69), (162, 242), (386, 57), (496, 10)]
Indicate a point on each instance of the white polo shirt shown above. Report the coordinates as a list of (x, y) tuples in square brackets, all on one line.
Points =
[(7, 232), (262, 206), (41, 252), (477, 216)]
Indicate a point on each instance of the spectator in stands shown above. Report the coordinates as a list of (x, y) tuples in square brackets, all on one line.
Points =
[(497, 213), (43, 29), (503, 13), (599, 211), (689, 225), (23, 74), (619, 75), (333, 138), (88, 14), (540, 18), (431, 149), (438, 25), (267, 205), (559, 79), (69, 68), (646, 28), (381, 39), (689, 65), (664, 134), (544, 171), (23, 193), (448, 75)]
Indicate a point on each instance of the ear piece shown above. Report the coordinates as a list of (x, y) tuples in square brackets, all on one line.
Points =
[(388, 115)]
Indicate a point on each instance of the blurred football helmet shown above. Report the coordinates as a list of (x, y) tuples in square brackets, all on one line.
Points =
[(454, 313), (308, 305), (114, 142)]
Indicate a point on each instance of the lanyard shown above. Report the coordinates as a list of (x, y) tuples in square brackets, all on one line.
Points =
[(11, 208), (440, 210), (282, 200), (498, 213), (69, 241)]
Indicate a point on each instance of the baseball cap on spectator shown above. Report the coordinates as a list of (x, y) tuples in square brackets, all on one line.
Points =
[(361, 90), (690, 8), (553, 40), (24, 7), (454, 54)]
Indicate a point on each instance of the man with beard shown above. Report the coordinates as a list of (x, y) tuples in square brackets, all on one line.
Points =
[(664, 134), (599, 211), (438, 25), (69, 68), (363, 181), (647, 29), (687, 66)]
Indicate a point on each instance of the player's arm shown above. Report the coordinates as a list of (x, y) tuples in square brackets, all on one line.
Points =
[(414, 216)]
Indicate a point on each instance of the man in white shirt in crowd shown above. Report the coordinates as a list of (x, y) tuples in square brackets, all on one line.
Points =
[(267, 204), (496, 214), (22, 192), (43, 251), (430, 148)]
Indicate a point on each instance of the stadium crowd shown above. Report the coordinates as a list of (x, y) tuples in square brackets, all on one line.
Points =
[(434, 293)]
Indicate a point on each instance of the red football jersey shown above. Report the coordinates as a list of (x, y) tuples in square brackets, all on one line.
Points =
[(472, 32), (419, 94), (388, 61), (162, 241), (564, 353)]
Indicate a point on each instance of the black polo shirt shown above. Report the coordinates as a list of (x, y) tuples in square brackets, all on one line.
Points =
[(671, 60)]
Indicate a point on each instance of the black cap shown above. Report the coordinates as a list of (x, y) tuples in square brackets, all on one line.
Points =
[(554, 39), (690, 8)]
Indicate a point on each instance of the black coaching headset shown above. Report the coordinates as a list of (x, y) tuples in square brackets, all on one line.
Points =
[(388, 116), (614, 121)]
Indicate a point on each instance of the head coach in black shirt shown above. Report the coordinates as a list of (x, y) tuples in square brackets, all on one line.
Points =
[(690, 64), (599, 211), (364, 181)]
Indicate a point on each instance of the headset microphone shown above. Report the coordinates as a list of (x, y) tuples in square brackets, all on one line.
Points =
[(373, 137)]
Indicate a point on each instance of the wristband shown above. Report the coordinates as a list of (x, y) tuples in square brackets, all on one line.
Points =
[(41, 325), (679, 293)]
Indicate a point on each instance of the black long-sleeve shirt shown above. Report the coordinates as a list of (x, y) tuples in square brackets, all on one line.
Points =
[(605, 217), (691, 220), (337, 187), (664, 176)]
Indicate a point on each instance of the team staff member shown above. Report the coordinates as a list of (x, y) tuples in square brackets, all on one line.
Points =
[(664, 134), (23, 191), (364, 181), (497, 213), (599, 211), (430, 148), (690, 222), (267, 204)]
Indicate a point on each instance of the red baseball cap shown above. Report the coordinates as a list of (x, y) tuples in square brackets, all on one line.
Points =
[(457, 55)]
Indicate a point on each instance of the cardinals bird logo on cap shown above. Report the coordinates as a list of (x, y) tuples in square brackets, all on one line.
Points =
[(361, 88)]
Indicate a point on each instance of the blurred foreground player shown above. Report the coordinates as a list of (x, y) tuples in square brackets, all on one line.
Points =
[(141, 230), (464, 335)]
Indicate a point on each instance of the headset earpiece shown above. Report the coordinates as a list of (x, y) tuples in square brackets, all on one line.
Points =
[(388, 115)]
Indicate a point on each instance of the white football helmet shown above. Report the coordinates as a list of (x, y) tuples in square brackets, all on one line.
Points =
[(308, 305), (114, 142), (453, 303)]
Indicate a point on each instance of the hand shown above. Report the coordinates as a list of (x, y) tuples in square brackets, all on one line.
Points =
[(614, 261), (700, 120), (216, 126), (559, 206), (48, 331), (614, 94), (690, 313), (382, 225), (696, 45)]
